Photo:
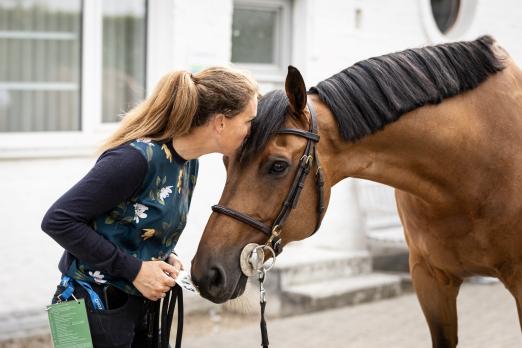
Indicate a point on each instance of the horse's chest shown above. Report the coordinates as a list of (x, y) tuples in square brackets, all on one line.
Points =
[(460, 245)]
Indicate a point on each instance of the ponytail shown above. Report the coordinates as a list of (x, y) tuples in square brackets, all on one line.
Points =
[(182, 101), (182, 95)]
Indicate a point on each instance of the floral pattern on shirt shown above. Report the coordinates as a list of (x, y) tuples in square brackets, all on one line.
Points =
[(139, 212), (180, 181), (98, 277), (165, 192), (148, 233), (145, 141), (168, 154), (148, 224), (160, 190)]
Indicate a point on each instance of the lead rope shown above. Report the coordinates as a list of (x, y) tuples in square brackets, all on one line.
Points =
[(262, 301), (159, 336)]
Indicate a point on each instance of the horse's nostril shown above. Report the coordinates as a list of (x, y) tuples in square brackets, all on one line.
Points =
[(211, 282), (216, 280)]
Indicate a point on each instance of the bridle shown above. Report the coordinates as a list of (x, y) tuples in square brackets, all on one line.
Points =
[(305, 165), (274, 244)]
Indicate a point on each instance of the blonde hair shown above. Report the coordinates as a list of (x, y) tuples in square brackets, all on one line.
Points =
[(182, 101)]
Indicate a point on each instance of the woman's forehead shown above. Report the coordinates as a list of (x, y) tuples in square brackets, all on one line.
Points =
[(271, 115)]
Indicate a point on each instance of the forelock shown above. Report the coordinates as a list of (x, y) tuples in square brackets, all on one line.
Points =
[(271, 114)]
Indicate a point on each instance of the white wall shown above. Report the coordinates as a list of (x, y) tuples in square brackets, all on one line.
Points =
[(326, 40), (29, 267), (29, 186)]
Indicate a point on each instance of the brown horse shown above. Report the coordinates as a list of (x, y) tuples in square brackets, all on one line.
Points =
[(440, 124)]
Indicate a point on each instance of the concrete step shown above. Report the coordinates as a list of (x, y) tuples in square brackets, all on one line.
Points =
[(388, 249), (303, 265), (338, 292), (309, 279)]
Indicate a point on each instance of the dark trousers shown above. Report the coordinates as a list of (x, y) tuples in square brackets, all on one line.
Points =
[(122, 325)]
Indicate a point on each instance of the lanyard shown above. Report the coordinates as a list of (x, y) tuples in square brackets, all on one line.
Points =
[(68, 283)]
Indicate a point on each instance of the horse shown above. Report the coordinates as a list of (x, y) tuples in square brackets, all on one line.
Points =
[(441, 124)]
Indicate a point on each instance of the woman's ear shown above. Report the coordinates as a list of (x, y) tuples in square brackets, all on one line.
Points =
[(218, 123)]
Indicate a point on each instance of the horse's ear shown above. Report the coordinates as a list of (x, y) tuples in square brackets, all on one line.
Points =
[(295, 90)]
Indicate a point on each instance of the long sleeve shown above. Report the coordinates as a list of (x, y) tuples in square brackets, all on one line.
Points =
[(117, 175)]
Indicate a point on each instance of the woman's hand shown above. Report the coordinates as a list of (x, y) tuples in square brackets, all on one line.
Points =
[(175, 261), (155, 279)]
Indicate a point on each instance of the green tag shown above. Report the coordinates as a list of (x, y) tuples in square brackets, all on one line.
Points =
[(69, 325)]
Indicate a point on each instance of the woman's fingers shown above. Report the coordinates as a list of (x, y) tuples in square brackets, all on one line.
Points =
[(171, 273), (175, 261), (164, 289), (158, 295), (168, 268), (170, 281), (155, 279)]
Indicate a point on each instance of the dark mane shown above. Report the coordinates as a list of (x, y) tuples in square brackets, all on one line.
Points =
[(375, 92)]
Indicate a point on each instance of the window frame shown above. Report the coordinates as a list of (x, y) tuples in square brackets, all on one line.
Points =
[(270, 72), (159, 57), (464, 28)]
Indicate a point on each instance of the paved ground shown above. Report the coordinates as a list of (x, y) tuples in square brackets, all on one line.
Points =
[(487, 317)]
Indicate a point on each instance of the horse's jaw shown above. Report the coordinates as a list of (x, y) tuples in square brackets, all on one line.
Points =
[(226, 294)]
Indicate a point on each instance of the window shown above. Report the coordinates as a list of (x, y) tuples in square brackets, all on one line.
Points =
[(261, 37), (40, 65), (124, 33), (449, 20), (445, 13), (254, 36), (52, 51)]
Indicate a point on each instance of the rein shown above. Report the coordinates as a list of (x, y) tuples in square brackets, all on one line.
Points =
[(159, 319), (252, 256)]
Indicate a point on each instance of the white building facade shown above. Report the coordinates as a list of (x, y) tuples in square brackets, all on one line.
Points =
[(69, 68)]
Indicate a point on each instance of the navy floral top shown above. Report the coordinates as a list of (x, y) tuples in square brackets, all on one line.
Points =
[(148, 213)]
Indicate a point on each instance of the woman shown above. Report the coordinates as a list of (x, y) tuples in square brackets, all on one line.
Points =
[(120, 223)]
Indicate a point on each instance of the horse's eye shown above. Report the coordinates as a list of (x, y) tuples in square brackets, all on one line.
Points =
[(278, 167)]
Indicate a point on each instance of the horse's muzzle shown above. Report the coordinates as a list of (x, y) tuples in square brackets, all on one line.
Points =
[(211, 284)]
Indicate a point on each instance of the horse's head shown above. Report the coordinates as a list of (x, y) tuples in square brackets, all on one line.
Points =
[(260, 176)]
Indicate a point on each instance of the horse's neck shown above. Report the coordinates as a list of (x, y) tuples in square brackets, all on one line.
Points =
[(413, 154), (444, 154)]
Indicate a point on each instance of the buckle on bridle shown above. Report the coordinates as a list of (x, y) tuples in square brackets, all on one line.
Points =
[(308, 159), (274, 242), (276, 232)]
